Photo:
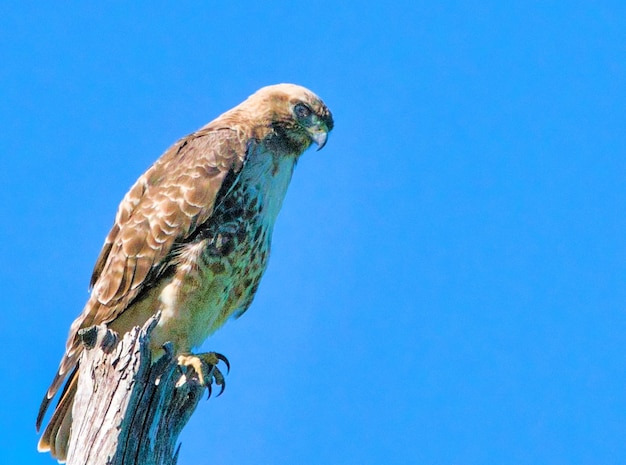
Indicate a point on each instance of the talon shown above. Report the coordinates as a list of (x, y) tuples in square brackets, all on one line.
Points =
[(223, 385), (225, 360), (205, 366)]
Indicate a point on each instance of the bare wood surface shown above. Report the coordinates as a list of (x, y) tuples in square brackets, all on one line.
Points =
[(128, 410)]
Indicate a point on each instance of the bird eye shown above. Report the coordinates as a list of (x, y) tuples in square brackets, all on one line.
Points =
[(302, 111)]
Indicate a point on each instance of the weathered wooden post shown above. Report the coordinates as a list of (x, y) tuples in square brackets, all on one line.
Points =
[(128, 410)]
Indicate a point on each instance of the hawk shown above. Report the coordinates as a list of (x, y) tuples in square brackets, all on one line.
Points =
[(191, 238)]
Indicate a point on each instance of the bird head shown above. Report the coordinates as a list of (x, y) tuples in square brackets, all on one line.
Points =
[(295, 115)]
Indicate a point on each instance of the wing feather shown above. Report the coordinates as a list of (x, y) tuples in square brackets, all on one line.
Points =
[(163, 208)]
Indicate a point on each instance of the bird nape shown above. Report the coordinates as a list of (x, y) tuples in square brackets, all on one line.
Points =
[(191, 238)]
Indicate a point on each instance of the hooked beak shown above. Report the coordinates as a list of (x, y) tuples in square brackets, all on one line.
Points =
[(319, 135)]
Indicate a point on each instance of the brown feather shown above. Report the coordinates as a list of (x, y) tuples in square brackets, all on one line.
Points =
[(127, 258), (55, 436), (162, 210)]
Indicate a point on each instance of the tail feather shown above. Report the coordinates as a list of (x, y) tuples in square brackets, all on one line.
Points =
[(55, 437), (68, 363)]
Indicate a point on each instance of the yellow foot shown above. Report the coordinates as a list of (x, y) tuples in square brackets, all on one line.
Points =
[(205, 365)]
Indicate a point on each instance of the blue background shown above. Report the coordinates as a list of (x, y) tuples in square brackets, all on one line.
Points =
[(447, 277)]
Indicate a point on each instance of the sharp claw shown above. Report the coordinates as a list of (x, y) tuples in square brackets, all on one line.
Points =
[(223, 384), (225, 360), (213, 374)]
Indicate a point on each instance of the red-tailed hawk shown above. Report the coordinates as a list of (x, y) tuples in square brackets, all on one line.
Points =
[(192, 237)]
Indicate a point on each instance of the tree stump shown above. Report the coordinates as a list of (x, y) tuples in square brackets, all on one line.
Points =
[(129, 410)]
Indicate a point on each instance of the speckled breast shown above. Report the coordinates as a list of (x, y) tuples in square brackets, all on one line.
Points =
[(237, 248), (219, 268)]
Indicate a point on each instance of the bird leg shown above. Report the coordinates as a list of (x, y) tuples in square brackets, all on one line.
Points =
[(205, 366)]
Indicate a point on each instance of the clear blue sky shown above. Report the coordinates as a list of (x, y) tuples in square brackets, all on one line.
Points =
[(447, 283)]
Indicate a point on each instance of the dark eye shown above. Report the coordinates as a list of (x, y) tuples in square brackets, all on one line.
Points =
[(302, 111)]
